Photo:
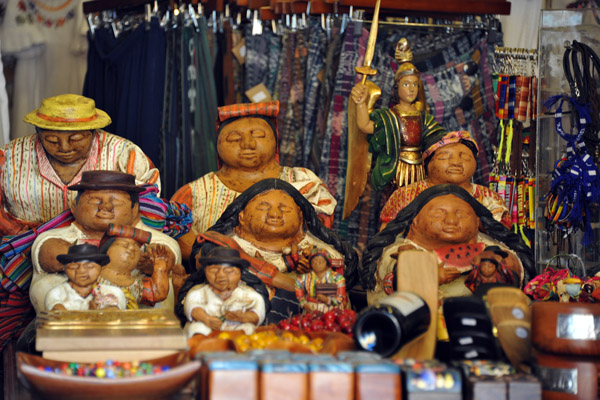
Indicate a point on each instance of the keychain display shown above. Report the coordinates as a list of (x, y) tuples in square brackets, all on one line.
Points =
[(516, 103)]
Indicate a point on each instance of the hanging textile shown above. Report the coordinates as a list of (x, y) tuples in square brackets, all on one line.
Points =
[(126, 79)]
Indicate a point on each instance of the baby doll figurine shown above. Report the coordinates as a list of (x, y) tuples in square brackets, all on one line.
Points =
[(321, 289), (491, 267), (123, 244), (226, 302), (82, 291)]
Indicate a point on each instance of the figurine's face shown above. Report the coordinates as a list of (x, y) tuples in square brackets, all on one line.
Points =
[(453, 163), (247, 143), (222, 278), (125, 253), (408, 88), (83, 273), (66, 146), (487, 269), (447, 219), (318, 264), (98, 208), (272, 214)]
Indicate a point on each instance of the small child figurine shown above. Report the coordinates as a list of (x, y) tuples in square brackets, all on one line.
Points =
[(490, 267), (321, 289), (123, 246), (224, 303), (82, 291)]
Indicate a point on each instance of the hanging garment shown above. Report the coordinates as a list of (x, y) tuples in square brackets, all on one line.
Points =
[(125, 77)]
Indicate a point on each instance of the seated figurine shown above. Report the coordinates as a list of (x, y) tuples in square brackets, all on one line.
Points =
[(123, 245), (247, 150), (225, 302), (104, 197), (448, 158), (321, 289), (442, 217), (271, 224), (491, 267), (82, 291)]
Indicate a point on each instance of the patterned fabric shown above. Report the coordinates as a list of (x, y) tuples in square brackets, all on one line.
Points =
[(306, 288), (405, 195), (452, 137), (32, 191), (522, 97), (269, 109), (128, 232), (15, 314), (133, 292), (208, 196)]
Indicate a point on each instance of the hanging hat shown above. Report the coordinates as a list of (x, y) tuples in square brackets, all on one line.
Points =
[(224, 255), (83, 252), (433, 142), (68, 112), (107, 180), (269, 109)]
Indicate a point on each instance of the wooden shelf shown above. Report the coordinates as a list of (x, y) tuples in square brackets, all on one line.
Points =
[(437, 6)]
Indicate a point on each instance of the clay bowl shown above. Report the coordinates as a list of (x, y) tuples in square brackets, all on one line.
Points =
[(160, 386), (565, 328)]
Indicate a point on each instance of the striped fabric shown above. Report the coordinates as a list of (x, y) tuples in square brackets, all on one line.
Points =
[(129, 232), (268, 109), (533, 106), (15, 313), (502, 94)]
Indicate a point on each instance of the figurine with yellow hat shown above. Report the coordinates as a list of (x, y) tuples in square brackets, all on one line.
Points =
[(36, 170)]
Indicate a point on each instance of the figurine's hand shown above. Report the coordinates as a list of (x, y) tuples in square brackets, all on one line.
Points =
[(214, 323), (447, 275), (162, 252), (322, 298), (242, 316), (360, 93)]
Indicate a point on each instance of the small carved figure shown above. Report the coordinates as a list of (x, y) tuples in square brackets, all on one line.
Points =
[(224, 302), (490, 266), (123, 244), (395, 134), (321, 289), (82, 291)]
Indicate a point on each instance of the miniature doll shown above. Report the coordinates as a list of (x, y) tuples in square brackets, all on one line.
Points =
[(321, 289), (82, 291), (123, 245), (224, 301), (490, 267)]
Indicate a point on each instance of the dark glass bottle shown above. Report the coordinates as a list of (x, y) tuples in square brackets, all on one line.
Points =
[(391, 323)]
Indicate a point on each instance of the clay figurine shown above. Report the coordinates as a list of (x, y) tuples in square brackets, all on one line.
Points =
[(82, 291), (271, 224), (443, 217), (68, 142), (448, 158), (104, 197), (124, 245), (247, 150), (403, 126), (321, 289), (224, 302), (490, 267)]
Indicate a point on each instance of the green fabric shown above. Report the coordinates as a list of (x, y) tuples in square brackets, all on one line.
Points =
[(385, 143)]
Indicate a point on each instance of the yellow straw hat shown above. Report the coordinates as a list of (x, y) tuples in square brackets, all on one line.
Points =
[(68, 112)]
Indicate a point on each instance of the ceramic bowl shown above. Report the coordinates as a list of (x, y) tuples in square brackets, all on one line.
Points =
[(159, 386)]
